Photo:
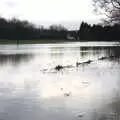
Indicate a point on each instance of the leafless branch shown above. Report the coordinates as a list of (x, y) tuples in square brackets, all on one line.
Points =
[(114, 4)]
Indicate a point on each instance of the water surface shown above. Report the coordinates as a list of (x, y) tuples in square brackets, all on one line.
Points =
[(31, 89)]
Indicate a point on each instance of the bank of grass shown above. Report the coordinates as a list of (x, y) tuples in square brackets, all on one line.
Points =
[(33, 41)]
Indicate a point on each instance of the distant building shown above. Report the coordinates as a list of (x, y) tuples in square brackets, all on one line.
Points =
[(72, 35), (69, 37)]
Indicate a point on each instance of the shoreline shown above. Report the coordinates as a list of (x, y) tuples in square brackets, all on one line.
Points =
[(46, 41), (34, 41)]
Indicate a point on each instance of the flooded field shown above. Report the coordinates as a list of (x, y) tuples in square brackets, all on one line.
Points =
[(86, 87)]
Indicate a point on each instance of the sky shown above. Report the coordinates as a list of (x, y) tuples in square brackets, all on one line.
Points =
[(69, 13)]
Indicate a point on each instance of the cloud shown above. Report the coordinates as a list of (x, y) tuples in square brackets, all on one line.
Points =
[(11, 4), (54, 10), (48, 10)]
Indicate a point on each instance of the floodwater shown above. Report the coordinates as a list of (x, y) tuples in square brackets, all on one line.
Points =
[(86, 88)]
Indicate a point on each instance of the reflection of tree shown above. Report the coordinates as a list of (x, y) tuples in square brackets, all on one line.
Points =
[(108, 51), (87, 51), (14, 58), (57, 52)]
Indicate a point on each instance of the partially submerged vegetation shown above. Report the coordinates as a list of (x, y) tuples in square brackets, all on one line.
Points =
[(60, 67), (85, 63), (39, 41)]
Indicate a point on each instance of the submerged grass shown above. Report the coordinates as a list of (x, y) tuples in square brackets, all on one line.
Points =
[(33, 41)]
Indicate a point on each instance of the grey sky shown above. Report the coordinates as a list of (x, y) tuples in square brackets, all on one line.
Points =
[(45, 12)]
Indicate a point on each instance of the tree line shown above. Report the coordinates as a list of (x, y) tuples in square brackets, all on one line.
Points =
[(99, 32), (16, 29)]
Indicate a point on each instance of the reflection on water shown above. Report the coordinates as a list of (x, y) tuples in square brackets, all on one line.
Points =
[(35, 91), (14, 58), (108, 51)]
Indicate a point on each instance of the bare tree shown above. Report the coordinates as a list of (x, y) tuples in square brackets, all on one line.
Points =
[(57, 28), (111, 8)]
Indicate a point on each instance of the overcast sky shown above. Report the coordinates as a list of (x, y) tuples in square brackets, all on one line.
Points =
[(45, 12)]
